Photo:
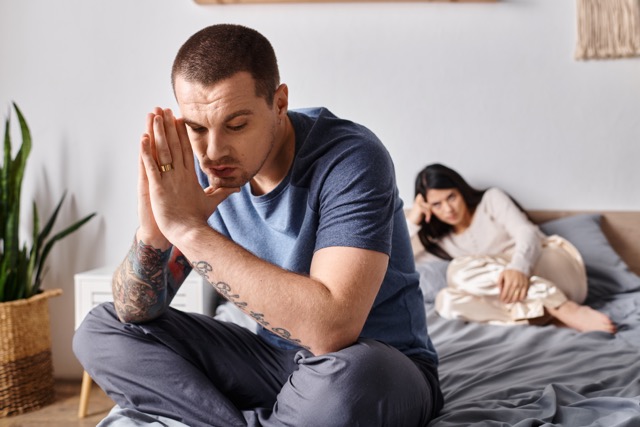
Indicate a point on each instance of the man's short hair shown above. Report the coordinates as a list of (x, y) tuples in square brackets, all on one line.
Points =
[(220, 51)]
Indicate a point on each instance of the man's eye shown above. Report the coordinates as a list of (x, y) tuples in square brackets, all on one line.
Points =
[(198, 129), (237, 127)]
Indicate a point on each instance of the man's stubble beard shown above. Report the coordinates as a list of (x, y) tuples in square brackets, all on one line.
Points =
[(245, 177)]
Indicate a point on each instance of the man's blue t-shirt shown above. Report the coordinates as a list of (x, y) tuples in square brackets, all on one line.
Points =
[(340, 191)]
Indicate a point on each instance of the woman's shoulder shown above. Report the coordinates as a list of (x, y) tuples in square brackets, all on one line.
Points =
[(495, 197), (494, 193)]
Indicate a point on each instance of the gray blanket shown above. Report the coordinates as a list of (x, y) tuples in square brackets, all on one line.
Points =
[(529, 376), (521, 376)]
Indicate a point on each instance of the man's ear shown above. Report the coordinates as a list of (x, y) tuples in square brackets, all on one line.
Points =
[(281, 100)]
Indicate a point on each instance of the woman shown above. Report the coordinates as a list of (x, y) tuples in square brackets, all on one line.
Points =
[(503, 269)]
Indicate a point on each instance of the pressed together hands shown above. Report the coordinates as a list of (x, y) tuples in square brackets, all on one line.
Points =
[(171, 202), (513, 284)]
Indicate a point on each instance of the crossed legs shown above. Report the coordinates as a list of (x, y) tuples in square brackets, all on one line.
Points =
[(203, 372)]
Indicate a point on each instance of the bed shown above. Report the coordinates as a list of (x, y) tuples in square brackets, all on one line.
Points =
[(529, 376), (525, 376)]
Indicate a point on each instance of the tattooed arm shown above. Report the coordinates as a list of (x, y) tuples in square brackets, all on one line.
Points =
[(147, 280), (323, 312)]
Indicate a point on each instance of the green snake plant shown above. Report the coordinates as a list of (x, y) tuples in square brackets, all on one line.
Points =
[(22, 268)]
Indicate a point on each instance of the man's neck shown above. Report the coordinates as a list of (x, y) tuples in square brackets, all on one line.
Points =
[(279, 162)]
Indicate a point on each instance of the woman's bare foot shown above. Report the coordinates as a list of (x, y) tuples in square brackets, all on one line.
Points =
[(582, 318)]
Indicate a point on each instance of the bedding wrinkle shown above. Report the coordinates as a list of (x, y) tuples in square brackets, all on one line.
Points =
[(533, 376)]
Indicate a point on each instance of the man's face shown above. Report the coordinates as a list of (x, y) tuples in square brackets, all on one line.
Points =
[(232, 131)]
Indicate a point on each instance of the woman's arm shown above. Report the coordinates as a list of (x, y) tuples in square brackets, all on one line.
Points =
[(527, 236), (414, 217), (514, 280)]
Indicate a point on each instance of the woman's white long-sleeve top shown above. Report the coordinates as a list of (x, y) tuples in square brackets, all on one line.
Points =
[(498, 228)]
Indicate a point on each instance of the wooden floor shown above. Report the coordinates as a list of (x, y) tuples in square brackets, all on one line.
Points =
[(64, 411)]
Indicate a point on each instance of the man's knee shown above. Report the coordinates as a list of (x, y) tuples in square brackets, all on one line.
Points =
[(87, 337), (369, 384)]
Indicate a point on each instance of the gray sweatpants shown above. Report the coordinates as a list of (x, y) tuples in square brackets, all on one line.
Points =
[(204, 372)]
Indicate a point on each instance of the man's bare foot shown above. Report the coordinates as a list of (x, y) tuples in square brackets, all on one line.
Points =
[(582, 318)]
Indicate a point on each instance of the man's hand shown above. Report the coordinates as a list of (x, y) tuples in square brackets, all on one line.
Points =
[(171, 199), (513, 285), (148, 231)]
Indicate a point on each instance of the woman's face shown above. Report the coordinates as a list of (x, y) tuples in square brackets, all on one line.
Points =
[(449, 206)]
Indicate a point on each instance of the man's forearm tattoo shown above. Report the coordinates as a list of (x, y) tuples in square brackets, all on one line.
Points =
[(149, 263), (141, 288), (179, 269), (204, 268)]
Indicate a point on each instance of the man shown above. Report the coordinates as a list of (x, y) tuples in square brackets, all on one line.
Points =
[(300, 225)]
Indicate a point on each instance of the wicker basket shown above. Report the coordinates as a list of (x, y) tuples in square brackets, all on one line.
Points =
[(26, 368)]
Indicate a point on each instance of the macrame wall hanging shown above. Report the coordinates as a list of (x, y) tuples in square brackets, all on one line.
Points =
[(608, 29)]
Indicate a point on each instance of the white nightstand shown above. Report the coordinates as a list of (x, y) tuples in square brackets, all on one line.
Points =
[(94, 287)]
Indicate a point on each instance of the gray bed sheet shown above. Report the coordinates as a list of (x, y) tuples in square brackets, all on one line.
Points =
[(529, 376), (520, 376)]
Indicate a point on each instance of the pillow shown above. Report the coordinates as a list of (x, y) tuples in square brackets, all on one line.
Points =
[(607, 273), (433, 277)]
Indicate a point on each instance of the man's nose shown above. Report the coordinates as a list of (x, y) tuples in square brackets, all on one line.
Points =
[(215, 146)]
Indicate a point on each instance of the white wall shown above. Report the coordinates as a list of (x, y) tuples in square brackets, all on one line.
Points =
[(489, 89)]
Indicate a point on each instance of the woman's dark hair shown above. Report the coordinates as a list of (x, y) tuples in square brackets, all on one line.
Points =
[(440, 177)]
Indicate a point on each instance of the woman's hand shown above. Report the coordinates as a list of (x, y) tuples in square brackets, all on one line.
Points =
[(420, 211), (513, 285)]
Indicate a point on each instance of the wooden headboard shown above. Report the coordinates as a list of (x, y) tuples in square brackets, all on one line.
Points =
[(622, 228)]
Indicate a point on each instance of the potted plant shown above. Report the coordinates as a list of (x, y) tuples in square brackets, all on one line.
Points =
[(26, 369)]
